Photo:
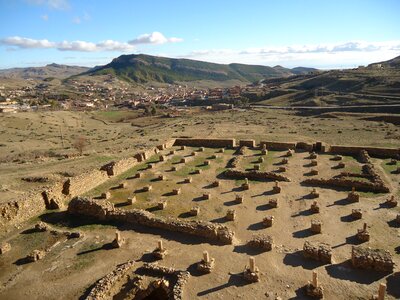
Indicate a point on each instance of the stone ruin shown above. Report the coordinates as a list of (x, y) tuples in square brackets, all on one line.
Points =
[(118, 241), (206, 264), (315, 207), (245, 185), (318, 251), (391, 202), (194, 211), (160, 252), (273, 203), (381, 293), (102, 288), (177, 278), (372, 259), (363, 234), (276, 189), (314, 194), (103, 210), (261, 241), (5, 247), (353, 196), (313, 288), (356, 213), (35, 255), (230, 215), (255, 175), (239, 198), (251, 273), (268, 221), (316, 226)]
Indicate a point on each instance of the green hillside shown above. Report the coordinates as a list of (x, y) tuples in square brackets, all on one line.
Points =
[(145, 68)]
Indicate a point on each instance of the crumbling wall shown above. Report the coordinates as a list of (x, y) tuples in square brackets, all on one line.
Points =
[(118, 167), (375, 187), (255, 175), (180, 278), (375, 259), (278, 146), (30, 205), (247, 143), (84, 182), (102, 288), (318, 251), (374, 151), (210, 143), (104, 210)]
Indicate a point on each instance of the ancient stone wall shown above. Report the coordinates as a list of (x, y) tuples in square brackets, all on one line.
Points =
[(375, 187), (374, 151), (84, 182), (102, 288), (375, 259), (210, 143), (247, 143), (105, 211), (278, 146), (118, 167), (255, 175), (181, 278)]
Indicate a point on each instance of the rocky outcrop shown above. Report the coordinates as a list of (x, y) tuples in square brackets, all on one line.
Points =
[(104, 210), (101, 289), (255, 175)]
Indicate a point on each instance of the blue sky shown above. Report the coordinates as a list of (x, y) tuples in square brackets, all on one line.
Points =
[(315, 33)]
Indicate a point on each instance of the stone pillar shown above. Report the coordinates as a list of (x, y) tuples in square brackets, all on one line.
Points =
[(160, 245), (315, 279), (382, 291), (117, 236), (252, 264), (365, 227), (206, 257)]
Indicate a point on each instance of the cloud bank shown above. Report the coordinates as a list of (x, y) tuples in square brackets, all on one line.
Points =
[(333, 55), (155, 38)]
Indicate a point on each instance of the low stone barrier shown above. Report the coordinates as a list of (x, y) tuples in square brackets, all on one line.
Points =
[(102, 288), (118, 167), (210, 143), (374, 151), (318, 251), (247, 143), (104, 210), (278, 146), (375, 259), (255, 175), (179, 277), (348, 183)]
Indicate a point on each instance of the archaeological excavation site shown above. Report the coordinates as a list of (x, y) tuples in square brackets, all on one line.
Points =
[(212, 219)]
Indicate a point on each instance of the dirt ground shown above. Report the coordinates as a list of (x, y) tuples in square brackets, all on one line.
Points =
[(34, 144), (72, 266)]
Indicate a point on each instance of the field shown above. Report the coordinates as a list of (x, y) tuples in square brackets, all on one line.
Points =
[(40, 145)]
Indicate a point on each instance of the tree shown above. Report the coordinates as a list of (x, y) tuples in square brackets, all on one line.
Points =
[(80, 144)]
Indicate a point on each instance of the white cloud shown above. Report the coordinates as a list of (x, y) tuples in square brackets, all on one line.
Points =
[(44, 17), (342, 54), (17, 42), (154, 38), (82, 46), (53, 4), (26, 43)]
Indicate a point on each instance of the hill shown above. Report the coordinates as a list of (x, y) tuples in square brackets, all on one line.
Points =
[(48, 71), (145, 68), (377, 84)]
